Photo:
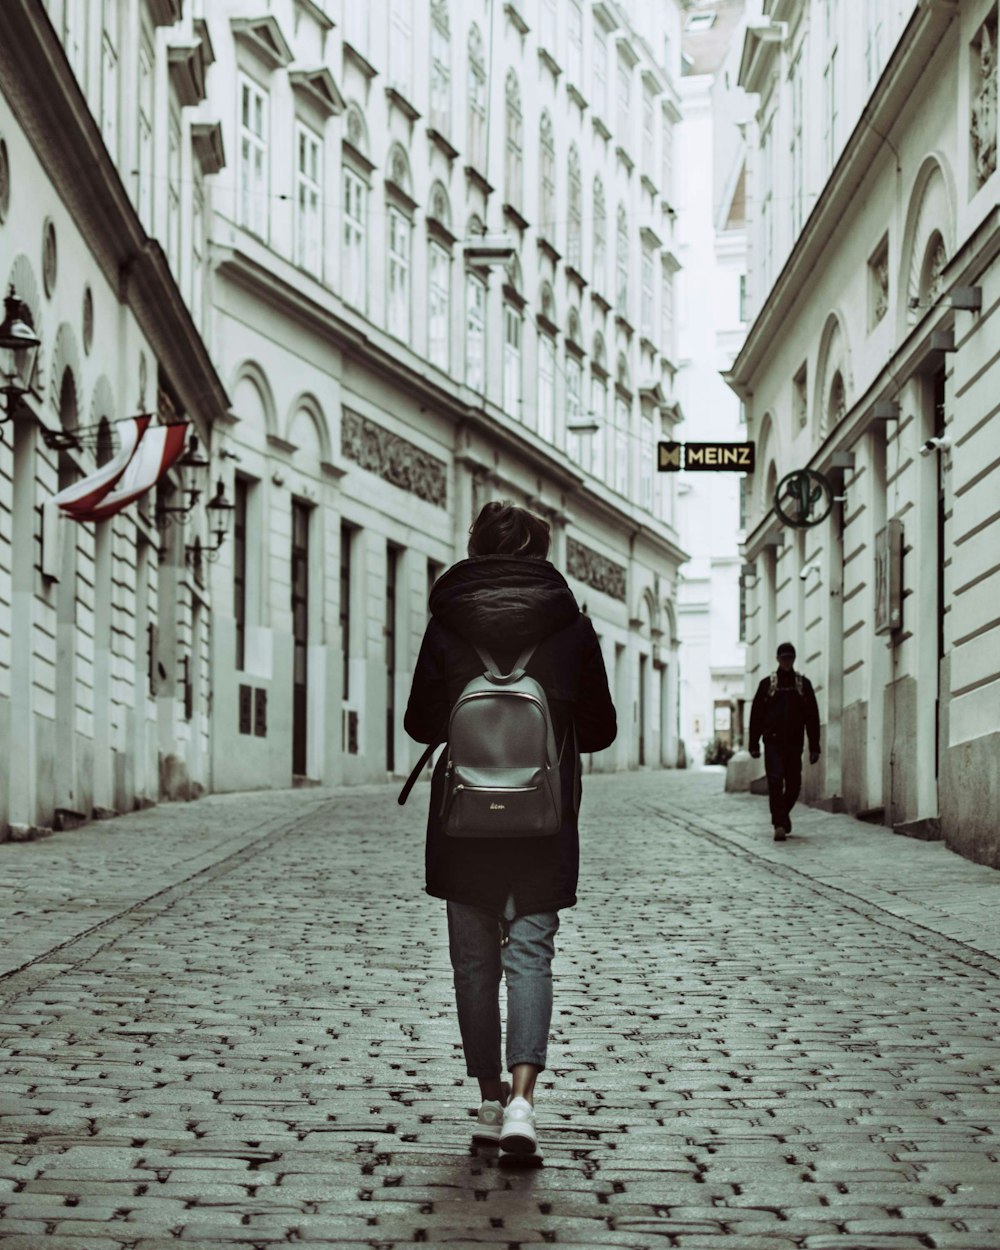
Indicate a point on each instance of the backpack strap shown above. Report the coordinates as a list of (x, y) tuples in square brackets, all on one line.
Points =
[(493, 672), (428, 751)]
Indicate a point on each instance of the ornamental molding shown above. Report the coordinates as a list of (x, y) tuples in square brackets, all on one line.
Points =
[(319, 88), (262, 35), (594, 570), (393, 458), (983, 110), (206, 139)]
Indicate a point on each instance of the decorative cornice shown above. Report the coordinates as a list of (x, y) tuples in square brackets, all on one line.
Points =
[(393, 458), (550, 63), (262, 35), (477, 179), (513, 10), (595, 570), (399, 101), (549, 249), (443, 144), (576, 277), (354, 156), (360, 61), (186, 66), (322, 20), (319, 88), (514, 214), (576, 96), (276, 443), (440, 230), (600, 127), (165, 12), (624, 157), (206, 139)]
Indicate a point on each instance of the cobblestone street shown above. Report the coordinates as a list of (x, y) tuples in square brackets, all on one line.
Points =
[(231, 1022)]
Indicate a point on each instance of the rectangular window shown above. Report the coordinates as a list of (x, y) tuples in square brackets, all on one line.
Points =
[(109, 77), (574, 33), (599, 411), (646, 462), (346, 537), (547, 27), (600, 71), (798, 148), (743, 501), (648, 129), (766, 202), (439, 292), (874, 47), (667, 172), (440, 79), (512, 361), (355, 239), (174, 193), (144, 139), (477, 112), (546, 388), (308, 198), (624, 101), (74, 37), (646, 311), (743, 297), (475, 333), (240, 571), (667, 313), (401, 46), (197, 252), (356, 25), (253, 174), (399, 275), (830, 96), (621, 445), (577, 443)]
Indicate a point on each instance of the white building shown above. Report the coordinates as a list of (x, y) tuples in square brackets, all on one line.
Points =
[(103, 630), (384, 386), (711, 327), (270, 207), (875, 286)]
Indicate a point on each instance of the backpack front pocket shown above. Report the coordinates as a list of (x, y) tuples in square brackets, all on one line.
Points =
[(501, 802)]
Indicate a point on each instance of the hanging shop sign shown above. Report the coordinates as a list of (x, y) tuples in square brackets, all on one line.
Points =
[(705, 457), (803, 499)]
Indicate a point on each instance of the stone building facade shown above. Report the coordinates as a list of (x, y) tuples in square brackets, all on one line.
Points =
[(104, 634), (872, 358), (267, 211), (384, 386)]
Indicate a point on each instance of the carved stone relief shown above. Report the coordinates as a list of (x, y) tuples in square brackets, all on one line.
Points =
[(983, 119), (393, 459), (589, 566)]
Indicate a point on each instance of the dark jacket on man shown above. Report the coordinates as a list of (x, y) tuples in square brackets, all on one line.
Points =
[(786, 715), (506, 603)]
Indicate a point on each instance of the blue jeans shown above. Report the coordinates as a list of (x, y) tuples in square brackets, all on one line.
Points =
[(478, 960)]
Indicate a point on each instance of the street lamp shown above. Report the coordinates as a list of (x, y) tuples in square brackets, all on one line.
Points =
[(19, 346), (220, 514)]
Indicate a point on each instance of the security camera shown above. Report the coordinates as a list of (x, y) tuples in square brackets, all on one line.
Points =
[(811, 567), (940, 443)]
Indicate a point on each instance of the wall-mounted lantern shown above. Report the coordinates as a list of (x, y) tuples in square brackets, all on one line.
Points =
[(220, 515), (19, 346)]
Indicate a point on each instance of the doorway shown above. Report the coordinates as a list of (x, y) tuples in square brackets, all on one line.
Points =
[(300, 635)]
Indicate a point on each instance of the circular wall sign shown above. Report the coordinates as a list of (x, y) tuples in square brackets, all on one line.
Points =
[(803, 498), (49, 256), (4, 182), (88, 320)]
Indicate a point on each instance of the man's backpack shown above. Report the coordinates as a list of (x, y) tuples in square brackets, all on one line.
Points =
[(502, 772), (773, 684)]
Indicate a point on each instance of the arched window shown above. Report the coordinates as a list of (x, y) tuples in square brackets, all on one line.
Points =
[(476, 100), (623, 420), (600, 236), (356, 174), (621, 260), (574, 236), (574, 330), (513, 168), (475, 319), (547, 178), (399, 195), (439, 277), (440, 68), (600, 440), (547, 303)]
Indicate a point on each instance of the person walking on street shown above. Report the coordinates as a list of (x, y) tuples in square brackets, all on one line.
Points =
[(784, 709), (504, 894)]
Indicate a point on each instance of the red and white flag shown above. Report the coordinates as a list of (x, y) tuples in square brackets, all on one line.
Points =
[(90, 490), (157, 451)]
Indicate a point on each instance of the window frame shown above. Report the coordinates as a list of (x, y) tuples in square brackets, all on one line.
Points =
[(513, 360), (355, 239), (476, 98), (308, 250), (545, 415), (440, 76), (254, 219), (439, 309), (399, 319), (475, 328)]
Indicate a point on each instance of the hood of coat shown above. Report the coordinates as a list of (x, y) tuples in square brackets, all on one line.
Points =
[(503, 601)]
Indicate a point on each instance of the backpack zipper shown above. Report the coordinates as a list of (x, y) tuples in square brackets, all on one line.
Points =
[(497, 789)]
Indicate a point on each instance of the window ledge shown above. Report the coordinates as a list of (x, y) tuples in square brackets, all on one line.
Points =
[(441, 143), (600, 301), (576, 276), (477, 179), (624, 157), (600, 127), (513, 10), (396, 98), (550, 62), (549, 248), (361, 62), (514, 214), (576, 96), (623, 324)]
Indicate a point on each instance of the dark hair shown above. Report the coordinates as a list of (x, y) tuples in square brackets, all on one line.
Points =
[(504, 529)]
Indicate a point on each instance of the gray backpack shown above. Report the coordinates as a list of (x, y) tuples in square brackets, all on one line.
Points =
[(502, 773)]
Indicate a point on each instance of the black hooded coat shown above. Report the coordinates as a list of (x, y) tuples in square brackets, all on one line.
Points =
[(506, 603)]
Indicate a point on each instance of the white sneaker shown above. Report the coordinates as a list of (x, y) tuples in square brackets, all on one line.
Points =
[(490, 1119), (517, 1135)]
